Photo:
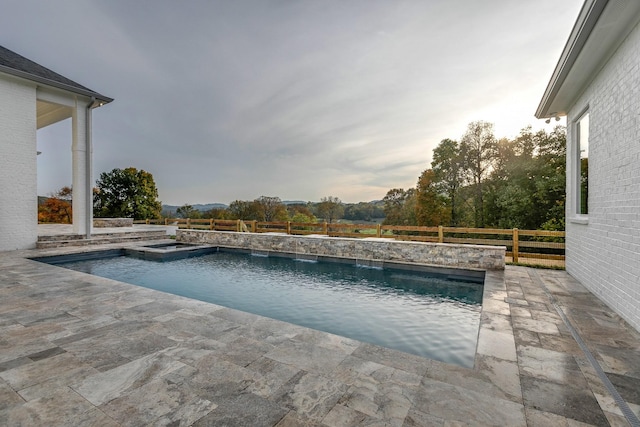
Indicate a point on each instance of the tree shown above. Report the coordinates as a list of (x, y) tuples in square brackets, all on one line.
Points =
[(245, 210), (271, 209), (57, 208), (479, 152), (448, 174), (330, 208), (187, 211), (400, 207), (126, 193), (431, 205)]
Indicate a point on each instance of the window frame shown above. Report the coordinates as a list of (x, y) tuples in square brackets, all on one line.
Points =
[(580, 216)]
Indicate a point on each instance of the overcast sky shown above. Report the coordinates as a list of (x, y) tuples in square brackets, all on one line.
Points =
[(226, 100)]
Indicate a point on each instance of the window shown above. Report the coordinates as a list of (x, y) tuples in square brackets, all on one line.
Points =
[(582, 166)]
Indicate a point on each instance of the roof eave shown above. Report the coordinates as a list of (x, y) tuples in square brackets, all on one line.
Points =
[(58, 85), (587, 20)]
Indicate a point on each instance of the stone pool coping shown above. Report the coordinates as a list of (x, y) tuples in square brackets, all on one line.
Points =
[(79, 349), (371, 249)]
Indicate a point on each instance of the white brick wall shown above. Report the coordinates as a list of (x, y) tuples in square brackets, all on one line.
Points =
[(604, 253), (18, 184)]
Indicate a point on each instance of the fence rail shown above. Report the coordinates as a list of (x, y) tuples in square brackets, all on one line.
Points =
[(529, 247)]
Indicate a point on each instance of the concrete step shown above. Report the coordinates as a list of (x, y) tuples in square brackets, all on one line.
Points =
[(98, 239)]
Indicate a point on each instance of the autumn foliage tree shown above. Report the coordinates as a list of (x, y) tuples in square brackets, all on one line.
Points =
[(57, 208)]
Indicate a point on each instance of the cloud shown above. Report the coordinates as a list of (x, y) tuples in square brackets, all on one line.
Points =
[(232, 100)]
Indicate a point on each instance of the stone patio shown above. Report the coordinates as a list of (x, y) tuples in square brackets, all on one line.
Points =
[(76, 349)]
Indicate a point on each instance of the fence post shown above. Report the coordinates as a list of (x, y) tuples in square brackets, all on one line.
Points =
[(254, 226), (515, 245), (237, 225), (288, 227), (325, 230), (211, 224), (378, 230), (166, 221), (188, 223), (440, 234)]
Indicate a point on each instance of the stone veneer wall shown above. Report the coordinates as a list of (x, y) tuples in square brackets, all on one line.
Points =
[(112, 222), (439, 254)]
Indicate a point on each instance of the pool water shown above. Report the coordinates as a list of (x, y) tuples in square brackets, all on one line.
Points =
[(403, 310)]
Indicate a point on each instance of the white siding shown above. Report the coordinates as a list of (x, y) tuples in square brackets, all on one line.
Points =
[(18, 184), (604, 253)]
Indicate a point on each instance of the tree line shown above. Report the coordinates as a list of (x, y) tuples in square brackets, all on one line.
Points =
[(269, 208), (478, 181), (481, 181)]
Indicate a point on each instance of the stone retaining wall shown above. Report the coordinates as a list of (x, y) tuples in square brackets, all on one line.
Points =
[(438, 254), (112, 222)]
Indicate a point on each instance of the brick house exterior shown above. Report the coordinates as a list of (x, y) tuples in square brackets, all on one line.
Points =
[(32, 97), (596, 84)]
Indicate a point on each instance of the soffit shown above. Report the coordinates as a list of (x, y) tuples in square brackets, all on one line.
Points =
[(48, 113), (600, 29)]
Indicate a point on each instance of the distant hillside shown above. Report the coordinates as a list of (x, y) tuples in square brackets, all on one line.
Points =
[(200, 207)]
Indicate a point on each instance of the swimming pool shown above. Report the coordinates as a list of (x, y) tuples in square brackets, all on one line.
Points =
[(415, 312)]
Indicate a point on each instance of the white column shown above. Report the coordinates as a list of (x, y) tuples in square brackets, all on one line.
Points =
[(18, 166), (82, 170)]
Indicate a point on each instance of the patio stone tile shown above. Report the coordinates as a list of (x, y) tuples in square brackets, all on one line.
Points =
[(327, 340), (236, 316), (12, 351), (170, 360), (106, 386), (271, 375), (54, 351), (567, 401), (496, 306), (171, 402), (53, 385), (520, 312), (10, 364), (383, 401), (560, 343), (243, 351), (609, 405), (417, 418), (457, 403), (191, 351), (33, 373), (620, 361), (20, 332), (533, 325), (204, 326), (496, 322), (550, 365), (628, 387), (293, 419), (65, 408), (310, 395), (246, 409), (537, 418), (352, 368), (213, 378), (502, 378), (526, 338), (147, 311), (496, 344), (8, 397), (393, 358), (341, 416), (307, 356)]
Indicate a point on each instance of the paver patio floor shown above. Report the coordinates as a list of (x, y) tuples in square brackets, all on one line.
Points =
[(76, 349)]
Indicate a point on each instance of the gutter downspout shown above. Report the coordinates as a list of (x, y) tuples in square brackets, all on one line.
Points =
[(89, 168)]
